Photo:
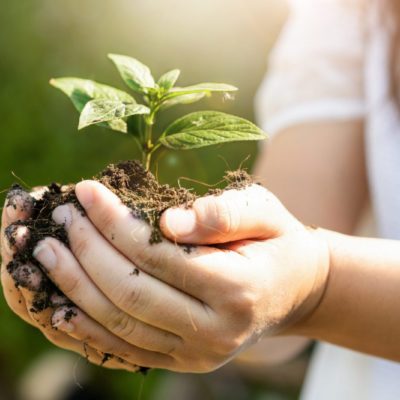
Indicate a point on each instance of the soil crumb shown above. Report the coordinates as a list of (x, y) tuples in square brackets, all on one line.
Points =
[(135, 272), (188, 248), (143, 370), (106, 357)]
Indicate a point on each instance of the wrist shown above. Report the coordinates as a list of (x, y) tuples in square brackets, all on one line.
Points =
[(303, 321)]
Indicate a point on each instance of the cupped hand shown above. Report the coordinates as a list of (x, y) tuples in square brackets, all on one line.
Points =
[(22, 284), (186, 308)]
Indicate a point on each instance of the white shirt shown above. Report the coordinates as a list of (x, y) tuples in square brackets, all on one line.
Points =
[(331, 62)]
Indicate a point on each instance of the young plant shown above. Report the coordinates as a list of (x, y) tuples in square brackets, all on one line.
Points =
[(112, 108)]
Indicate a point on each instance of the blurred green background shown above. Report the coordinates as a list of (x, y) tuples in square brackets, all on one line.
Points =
[(209, 40)]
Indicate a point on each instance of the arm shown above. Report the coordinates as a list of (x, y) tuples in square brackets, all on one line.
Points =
[(360, 308), (317, 170)]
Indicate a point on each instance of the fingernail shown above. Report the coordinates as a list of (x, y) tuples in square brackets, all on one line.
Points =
[(62, 215), (61, 319), (180, 222), (84, 193), (21, 237), (29, 277), (17, 201), (12, 212), (16, 235), (45, 255), (9, 244)]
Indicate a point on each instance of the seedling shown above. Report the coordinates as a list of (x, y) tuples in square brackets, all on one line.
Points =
[(138, 190), (115, 109)]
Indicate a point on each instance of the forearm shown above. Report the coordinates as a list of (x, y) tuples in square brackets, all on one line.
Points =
[(360, 307)]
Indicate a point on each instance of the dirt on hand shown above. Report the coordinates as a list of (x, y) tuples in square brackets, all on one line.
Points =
[(138, 189)]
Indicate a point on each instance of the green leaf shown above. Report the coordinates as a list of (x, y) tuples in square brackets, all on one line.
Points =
[(183, 99), (207, 88), (103, 110), (80, 91), (135, 74), (206, 128), (116, 125), (168, 80)]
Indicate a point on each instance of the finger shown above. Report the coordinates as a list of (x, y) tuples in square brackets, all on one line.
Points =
[(92, 355), (18, 206), (30, 280), (33, 289), (24, 275), (250, 213), (79, 326), (11, 292), (14, 239), (88, 292), (13, 296), (189, 269), (35, 286)]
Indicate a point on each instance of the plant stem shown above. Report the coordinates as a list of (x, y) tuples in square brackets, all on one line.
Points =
[(148, 144), (147, 160), (148, 133)]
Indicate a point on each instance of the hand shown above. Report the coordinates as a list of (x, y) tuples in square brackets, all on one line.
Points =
[(30, 279), (188, 308)]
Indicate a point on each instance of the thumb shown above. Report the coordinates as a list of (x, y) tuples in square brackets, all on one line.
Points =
[(251, 213)]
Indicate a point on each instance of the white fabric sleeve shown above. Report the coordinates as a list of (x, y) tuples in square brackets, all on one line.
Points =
[(316, 69)]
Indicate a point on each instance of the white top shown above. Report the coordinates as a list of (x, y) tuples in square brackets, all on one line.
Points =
[(331, 62)]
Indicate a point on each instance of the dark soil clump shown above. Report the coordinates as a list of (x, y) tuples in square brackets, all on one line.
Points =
[(69, 314), (140, 191)]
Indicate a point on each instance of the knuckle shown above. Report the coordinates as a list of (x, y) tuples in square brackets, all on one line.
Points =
[(106, 223), (130, 297), (148, 259), (244, 302), (80, 247), (122, 325), (223, 220), (223, 345), (71, 286), (172, 350), (228, 346), (216, 210), (242, 307)]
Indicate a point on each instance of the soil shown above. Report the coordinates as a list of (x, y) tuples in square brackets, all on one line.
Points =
[(138, 189)]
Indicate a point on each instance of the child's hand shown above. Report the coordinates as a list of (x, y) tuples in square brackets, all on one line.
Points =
[(185, 308)]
